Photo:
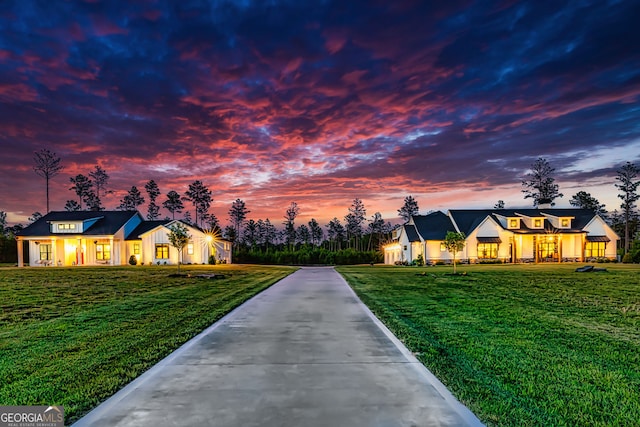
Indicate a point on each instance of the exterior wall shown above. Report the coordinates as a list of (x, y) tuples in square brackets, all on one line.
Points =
[(149, 241), (70, 249), (417, 248), (434, 253), (201, 248), (392, 253)]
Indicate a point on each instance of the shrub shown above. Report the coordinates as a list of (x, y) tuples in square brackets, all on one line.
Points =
[(627, 258), (212, 260), (133, 260)]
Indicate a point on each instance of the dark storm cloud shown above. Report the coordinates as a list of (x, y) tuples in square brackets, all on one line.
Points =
[(316, 101)]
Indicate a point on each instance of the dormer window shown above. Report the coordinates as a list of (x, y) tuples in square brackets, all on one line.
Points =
[(537, 223), (64, 228), (565, 223), (514, 223)]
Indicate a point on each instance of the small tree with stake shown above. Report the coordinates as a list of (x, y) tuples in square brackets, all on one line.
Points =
[(454, 243), (179, 238)]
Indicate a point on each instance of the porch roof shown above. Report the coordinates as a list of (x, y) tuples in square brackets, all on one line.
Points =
[(598, 239), (489, 240)]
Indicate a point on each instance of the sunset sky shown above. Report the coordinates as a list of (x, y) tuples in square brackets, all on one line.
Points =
[(319, 102)]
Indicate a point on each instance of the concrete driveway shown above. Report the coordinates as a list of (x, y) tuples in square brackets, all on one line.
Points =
[(305, 352)]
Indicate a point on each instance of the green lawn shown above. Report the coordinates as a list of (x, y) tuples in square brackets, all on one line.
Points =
[(520, 344), (74, 336)]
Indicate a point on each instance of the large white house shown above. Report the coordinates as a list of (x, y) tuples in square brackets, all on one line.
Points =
[(507, 235), (111, 238)]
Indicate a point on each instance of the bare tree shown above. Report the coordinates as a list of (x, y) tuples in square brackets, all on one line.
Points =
[(47, 165)]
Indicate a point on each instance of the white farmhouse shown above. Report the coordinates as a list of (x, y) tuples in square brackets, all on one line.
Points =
[(111, 238)]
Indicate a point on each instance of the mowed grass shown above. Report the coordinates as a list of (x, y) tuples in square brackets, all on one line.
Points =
[(520, 345), (74, 336)]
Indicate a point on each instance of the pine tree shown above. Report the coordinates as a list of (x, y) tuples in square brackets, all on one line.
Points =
[(584, 200), (200, 196), (409, 208), (290, 216), (316, 232), (131, 200), (540, 184), (99, 177), (173, 203), (83, 187), (628, 183), (237, 215), (153, 192)]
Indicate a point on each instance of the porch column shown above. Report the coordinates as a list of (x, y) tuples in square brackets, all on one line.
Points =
[(20, 252), (559, 249), (54, 251), (113, 252)]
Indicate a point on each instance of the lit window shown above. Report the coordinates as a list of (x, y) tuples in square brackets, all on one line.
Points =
[(564, 223), (190, 249), (162, 251), (45, 252), (443, 248), (487, 250), (537, 223), (136, 248), (66, 227), (513, 223), (595, 249), (103, 252)]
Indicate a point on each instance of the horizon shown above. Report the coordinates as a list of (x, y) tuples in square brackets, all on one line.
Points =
[(319, 104)]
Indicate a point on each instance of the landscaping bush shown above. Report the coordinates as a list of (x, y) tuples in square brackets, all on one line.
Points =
[(627, 258), (212, 260), (133, 260)]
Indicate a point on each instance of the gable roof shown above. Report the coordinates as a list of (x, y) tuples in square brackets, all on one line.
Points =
[(411, 232), (146, 226), (469, 219), (433, 226), (107, 222)]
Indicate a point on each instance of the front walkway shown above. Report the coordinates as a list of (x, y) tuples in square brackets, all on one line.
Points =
[(305, 352)]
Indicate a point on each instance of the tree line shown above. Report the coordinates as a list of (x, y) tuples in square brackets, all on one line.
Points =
[(354, 233)]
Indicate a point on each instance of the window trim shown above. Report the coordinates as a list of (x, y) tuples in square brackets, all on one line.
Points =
[(599, 247), (161, 247), (103, 252), (48, 253)]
